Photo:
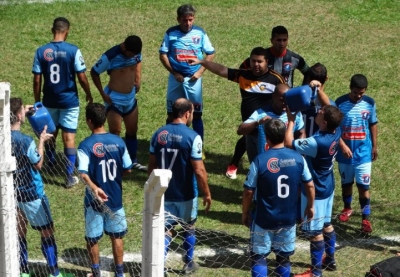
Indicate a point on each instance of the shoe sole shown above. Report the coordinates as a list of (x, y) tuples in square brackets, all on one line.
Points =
[(233, 177)]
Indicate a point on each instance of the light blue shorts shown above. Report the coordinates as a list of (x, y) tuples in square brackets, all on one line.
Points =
[(176, 211), (122, 103), (282, 241), (189, 90), (322, 214), (66, 119), (362, 174), (111, 223), (38, 213)]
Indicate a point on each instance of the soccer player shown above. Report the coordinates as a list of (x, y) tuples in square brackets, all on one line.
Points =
[(33, 205), (283, 61), (103, 160), (58, 62), (123, 63), (359, 148), (320, 152), (180, 43), (178, 148), (274, 179), (256, 85)]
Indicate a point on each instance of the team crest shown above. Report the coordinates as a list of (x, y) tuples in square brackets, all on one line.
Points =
[(366, 178), (332, 149), (287, 67), (273, 165), (81, 60), (365, 115), (196, 40), (302, 142), (48, 54), (98, 150), (162, 137)]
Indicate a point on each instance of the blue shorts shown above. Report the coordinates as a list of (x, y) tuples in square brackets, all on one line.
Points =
[(111, 223), (280, 241), (38, 213), (122, 103), (322, 214), (189, 90), (185, 211), (361, 172), (66, 119)]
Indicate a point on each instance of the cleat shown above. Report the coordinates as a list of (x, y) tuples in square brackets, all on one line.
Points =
[(71, 181), (190, 268), (307, 273), (25, 275), (345, 215), (231, 171), (329, 266), (62, 274), (139, 167), (366, 227)]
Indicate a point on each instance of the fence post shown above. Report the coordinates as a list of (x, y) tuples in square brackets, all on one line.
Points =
[(9, 265), (153, 223)]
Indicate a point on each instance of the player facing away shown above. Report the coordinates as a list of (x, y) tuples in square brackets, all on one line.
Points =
[(178, 148), (103, 160), (274, 179), (180, 43), (320, 152), (359, 148), (55, 65), (283, 61), (33, 205), (123, 64)]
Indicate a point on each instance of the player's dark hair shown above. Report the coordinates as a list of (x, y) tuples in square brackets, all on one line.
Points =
[(259, 51), (96, 113), (185, 10), (133, 44), (60, 24), (279, 30), (280, 87), (317, 72), (275, 130), (358, 81), (15, 107), (180, 107), (333, 117)]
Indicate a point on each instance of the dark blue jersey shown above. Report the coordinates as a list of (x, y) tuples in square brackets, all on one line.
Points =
[(59, 62), (27, 180), (174, 146), (104, 157), (276, 176), (309, 119)]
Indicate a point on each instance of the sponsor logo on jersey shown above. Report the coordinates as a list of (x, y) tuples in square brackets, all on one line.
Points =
[(273, 165), (332, 149), (365, 115), (287, 67), (48, 54), (287, 162), (366, 178), (196, 40), (98, 150), (354, 135), (162, 137)]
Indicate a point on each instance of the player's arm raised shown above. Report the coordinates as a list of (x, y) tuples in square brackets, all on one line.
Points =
[(215, 68)]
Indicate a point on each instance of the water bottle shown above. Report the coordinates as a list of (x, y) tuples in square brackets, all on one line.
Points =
[(38, 116), (300, 98)]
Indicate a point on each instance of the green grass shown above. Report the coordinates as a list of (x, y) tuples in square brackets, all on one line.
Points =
[(347, 36)]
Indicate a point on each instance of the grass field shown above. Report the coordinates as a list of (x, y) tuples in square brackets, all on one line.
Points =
[(348, 37)]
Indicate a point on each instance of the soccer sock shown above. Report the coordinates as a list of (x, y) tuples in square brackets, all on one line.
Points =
[(70, 153), (347, 201), (198, 127), (96, 270), (119, 270), (188, 244), (258, 266), (365, 207), (283, 266), (49, 250), (23, 255), (240, 149), (167, 241), (330, 241), (50, 151), (131, 145), (317, 251)]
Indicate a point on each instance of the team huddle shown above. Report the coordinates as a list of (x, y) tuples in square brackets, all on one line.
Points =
[(291, 153)]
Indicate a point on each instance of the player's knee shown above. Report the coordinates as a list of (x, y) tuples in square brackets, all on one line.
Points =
[(197, 115), (347, 185), (362, 187), (257, 259), (282, 258), (328, 227), (92, 241)]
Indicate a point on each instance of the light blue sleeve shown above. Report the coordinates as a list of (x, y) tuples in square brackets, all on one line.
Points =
[(253, 117), (307, 146), (33, 154), (299, 123), (126, 160), (101, 65), (306, 176), (251, 179), (79, 62), (36, 64), (138, 57), (197, 148), (83, 161), (164, 45), (207, 46)]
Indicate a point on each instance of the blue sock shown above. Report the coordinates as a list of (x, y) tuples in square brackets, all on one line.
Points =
[(198, 127), (119, 270), (50, 152), (167, 241), (49, 250), (258, 266), (283, 269), (188, 244), (96, 270), (23, 255), (330, 241), (131, 145), (365, 207), (70, 153), (317, 251), (347, 201)]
